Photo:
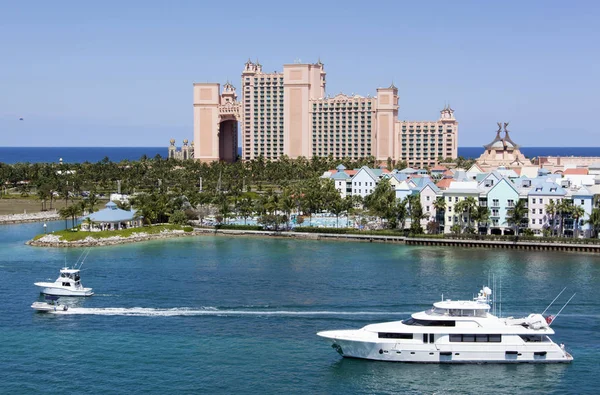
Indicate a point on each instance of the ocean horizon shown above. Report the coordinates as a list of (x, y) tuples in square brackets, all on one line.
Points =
[(11, 155)]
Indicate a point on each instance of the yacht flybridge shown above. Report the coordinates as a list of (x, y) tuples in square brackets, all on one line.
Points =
[(68, 283), (454, 332)]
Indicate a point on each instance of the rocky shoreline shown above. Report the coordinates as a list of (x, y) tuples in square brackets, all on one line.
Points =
[(32, 217), (51, 240)]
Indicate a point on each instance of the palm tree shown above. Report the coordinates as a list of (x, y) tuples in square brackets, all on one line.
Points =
[(482, 215), (245, 208), (516, 215), (564, 208), (439, 205), (287, 205), (338, 207), (594, 221), (88, 221), (551, 211), (577, 212), (65, 214)]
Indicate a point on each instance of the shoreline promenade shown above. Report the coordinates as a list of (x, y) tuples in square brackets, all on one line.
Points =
[(54, 241), (29, 217)]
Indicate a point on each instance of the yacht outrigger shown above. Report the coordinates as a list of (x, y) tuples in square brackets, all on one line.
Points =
[(454, 332)]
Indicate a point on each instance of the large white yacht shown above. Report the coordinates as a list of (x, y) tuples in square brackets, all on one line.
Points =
[(453, 332), (68, 283)]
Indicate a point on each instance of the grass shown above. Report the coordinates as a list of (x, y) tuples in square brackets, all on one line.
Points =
[(69, 235)]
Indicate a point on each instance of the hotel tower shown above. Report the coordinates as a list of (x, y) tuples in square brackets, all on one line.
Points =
[(288, 113)]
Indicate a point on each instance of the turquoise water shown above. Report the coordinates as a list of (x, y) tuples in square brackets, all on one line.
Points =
[(239, 315)]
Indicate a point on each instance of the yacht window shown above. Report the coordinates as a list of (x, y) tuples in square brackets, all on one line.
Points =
[(494, 338), (455, 338), (412, 321), (438, 311), (389, 335), (534, 338), (468, 338)]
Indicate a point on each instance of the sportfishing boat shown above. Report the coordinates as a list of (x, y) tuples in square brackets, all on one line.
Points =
[(68, 283), (463, 331), (51, 305)]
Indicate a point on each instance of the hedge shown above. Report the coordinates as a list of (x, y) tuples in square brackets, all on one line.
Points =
[(238, 227)]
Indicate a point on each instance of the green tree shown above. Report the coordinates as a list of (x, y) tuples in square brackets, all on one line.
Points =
[(178, 218), (594, 221), (577, 212), (564, 208), (551, 212), (381, 202), (517, 215), (482, 217), (244, 208)]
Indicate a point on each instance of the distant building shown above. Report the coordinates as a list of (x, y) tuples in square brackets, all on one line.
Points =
[(186, 151), (502, 151), (288, 113)]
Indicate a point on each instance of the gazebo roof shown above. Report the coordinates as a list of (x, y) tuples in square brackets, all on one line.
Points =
[(112, 213)]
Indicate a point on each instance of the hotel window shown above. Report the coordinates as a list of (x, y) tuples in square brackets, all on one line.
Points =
[(533, 200), (540, 221), (532, 211), (582, 202), (541, 201)]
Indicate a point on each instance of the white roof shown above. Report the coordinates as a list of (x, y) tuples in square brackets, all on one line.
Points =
[(65, 270), (462, 304)]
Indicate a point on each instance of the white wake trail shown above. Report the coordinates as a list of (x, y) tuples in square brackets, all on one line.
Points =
[(188, 312)]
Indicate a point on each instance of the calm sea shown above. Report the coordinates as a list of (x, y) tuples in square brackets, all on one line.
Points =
[(239, 315), (116, 154)]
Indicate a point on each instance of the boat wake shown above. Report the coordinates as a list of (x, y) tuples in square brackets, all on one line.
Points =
[(211, 311)]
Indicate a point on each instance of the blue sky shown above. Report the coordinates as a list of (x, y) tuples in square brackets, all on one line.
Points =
[(120, 73)]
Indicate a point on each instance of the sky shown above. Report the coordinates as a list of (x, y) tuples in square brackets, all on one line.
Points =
[(120, 73)]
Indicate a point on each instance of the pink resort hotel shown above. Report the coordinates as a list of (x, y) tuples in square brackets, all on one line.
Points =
[(288, 113)]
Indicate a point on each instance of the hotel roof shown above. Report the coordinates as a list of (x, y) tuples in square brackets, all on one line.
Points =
[(576, 171)]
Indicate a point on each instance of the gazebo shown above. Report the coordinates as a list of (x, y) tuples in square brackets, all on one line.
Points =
[(111, 218)]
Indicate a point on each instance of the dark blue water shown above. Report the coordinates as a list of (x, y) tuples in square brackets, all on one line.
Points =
[(77, 154), (116, 154), (239, 315)]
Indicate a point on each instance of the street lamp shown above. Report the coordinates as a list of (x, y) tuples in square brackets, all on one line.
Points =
[(45, 227)]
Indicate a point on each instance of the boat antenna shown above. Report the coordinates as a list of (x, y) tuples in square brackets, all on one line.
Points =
[(500, 288), (80, 255), (557, 314), (83, 260), (554, 300)]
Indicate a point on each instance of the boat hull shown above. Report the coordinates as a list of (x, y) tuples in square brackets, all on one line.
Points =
[(414, 353), (47, 307), (48, 289)]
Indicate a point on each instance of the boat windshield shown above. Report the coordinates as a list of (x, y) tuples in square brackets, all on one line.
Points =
[(457, 312)]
